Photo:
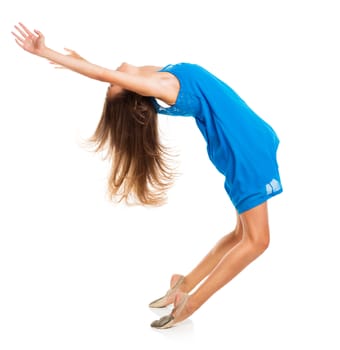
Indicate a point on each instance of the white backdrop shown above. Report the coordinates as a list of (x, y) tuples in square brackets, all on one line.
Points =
[(77, 272)]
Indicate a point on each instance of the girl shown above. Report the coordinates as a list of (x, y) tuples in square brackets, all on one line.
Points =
[(240, 144)]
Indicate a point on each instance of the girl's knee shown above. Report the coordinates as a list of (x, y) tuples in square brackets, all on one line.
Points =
[(259, 238), (256, 228)]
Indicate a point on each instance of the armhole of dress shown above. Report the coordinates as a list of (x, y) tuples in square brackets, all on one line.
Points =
[(162, 103)]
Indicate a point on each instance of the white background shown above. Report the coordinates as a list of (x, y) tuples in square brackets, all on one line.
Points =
[(77, 272)]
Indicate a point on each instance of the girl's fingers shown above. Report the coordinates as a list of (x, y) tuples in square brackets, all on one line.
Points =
[(71, 52), (24, 35), (26, 30), (17, 37), (38, 32), (56, 65), (19, 43)]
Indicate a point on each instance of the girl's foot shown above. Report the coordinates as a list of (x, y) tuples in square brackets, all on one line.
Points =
[(180, 312), (169, 297)]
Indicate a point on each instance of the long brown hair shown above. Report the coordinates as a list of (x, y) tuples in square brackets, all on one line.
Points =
[(128, 132)]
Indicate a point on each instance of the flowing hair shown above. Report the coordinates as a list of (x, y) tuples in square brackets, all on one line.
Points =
[(128, 133)]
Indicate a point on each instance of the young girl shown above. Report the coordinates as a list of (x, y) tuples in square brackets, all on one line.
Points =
[(239, 143)]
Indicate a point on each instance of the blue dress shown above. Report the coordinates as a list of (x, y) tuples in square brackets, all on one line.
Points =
[(240, 144)]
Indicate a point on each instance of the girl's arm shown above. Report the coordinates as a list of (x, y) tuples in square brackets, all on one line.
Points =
[(70, 53), (148, 69), (148, 83)]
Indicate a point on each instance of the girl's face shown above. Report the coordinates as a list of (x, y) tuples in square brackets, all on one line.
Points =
[(114, 89)]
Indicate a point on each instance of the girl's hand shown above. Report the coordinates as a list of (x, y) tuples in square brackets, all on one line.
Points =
[(32, 43), (71, 53)]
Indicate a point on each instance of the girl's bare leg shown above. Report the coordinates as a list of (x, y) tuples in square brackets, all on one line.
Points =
[(254, 241), (209, 262), (202, 270)]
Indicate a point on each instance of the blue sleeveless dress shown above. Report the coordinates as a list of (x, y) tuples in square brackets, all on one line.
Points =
[(240, 144)]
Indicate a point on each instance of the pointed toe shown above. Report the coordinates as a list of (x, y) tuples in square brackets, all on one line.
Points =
[(164, 322), (166, 299)]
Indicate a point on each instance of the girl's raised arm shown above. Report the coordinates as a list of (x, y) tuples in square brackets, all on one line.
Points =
[(151, 84)]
